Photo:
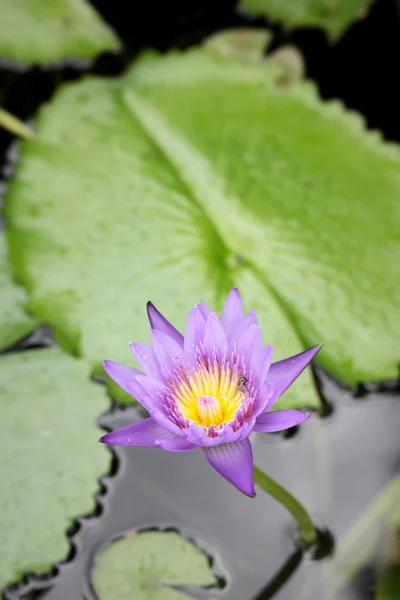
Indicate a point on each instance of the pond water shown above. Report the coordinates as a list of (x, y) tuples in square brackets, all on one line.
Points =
[(335, 465)]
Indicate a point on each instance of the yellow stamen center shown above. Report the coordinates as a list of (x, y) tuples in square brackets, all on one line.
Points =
[(209, 410), (210, 396)]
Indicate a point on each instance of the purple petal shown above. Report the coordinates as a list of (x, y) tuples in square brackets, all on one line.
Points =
[(279, 420), (284, 372), (124, 376), (178, 444), (128, 379), (249, 319), (234, 462), (232, 313), (141, 433), (158, 321), (159, 415), (194, 334), (146, 359), (168, 353), (214, 337), (259, 364), (265, 397), (203, 308), (250, 343)]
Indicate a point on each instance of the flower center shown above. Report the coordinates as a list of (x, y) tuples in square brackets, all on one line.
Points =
[(209, 411), (209, 396)]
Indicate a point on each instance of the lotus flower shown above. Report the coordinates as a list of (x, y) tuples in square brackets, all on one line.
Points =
[(208, 389)]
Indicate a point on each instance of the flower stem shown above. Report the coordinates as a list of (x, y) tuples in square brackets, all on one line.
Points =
[(307, 531), (14, 125)]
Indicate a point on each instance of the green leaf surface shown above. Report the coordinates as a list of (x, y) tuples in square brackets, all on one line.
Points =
[(42, 31), (192, 174), (51, 456), (15, 324), (144, 566), (335, 16)]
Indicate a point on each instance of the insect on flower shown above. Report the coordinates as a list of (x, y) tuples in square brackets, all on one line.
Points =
[(242, 383), (208, 389)]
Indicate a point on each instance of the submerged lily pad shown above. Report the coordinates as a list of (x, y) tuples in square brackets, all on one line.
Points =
[(335, 16), (146, 565), (195, 173), (51, 457), (42, 31), (15, 323)]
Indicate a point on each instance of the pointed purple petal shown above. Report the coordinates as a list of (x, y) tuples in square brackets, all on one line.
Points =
[(282, 373), (158, 321), (178, 444), (279, 420), (128, 379), (259, 364), (203, 308), (250, 343), (146, 359), (263, 399), (214, 337), (194, 334), (232, 313), (168, 353), (249, 319), (159, 415), (141, 433), (124, 376), (234, 461)]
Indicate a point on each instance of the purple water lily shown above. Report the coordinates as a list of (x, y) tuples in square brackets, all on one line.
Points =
[(208, 389)]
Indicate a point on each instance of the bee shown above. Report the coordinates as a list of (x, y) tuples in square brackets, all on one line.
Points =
[(242, 384)]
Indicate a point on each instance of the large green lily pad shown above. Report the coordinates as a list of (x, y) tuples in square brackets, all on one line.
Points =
[(42, 31), (197, 172), (145, 565), (50, 455), (335, 16), (15, 323)]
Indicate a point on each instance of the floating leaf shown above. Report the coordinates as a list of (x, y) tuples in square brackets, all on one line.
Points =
[(51, 457), (147, 565), (192, 174), (335, 16), (41, 31), (14, 322)]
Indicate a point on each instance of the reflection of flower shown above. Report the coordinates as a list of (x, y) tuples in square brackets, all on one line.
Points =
[(208, 389)]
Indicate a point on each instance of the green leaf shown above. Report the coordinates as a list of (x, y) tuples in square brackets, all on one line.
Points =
[(42, 31), (335, 16), (51, 456), (14, 322), (198, 172), (145, 565)]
